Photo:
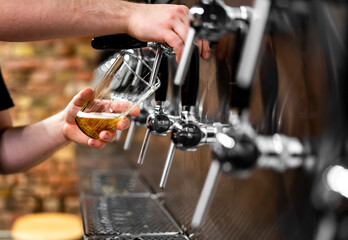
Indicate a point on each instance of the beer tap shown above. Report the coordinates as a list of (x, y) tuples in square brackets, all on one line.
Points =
[(238, 150), (159, 122), (142, 119), (210, 19), (188, 133), (144, 113)]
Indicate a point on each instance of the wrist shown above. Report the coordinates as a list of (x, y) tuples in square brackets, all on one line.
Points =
[(112, 16), (131, 13), (62, 136)]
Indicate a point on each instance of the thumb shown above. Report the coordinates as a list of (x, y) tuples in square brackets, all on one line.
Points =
[(82, 97)]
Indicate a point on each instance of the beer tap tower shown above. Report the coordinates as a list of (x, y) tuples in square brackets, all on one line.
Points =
[(237, 149), (188, 133)]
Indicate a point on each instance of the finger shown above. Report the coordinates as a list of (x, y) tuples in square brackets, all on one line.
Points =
[(205, 54), (173, 40), (135, 112), (107, 136), (121, 106), (199, 43), (82, 97), (96, 143), (116, 106), (123, 124), (184, 15), (181, 29)]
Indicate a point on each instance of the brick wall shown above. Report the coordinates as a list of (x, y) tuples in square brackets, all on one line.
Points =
[(42, 77)]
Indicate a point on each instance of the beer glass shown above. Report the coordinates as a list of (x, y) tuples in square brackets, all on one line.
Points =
[(126, 84)]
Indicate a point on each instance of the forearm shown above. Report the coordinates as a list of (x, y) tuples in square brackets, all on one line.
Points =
[(24, 147), (48, 19)]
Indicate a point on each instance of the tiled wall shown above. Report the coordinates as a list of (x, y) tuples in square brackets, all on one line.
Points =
[(42, 77)]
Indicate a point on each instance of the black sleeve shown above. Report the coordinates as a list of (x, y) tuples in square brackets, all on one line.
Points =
[(5, 98)]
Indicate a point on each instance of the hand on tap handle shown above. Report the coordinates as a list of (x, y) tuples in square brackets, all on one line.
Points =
[(209, 20)]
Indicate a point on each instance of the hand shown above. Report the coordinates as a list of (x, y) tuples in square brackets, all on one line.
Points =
[(163, 23), (73, 133)]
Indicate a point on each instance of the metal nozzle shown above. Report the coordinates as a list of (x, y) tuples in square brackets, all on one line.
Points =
[(167, 165), (144, 147)]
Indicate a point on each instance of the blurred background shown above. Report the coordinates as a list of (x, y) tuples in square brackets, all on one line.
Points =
[(42, 78)]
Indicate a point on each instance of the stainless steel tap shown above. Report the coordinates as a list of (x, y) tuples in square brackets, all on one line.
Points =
[(212, 19), (188, 133), (238, 150), (191, 134), (160, 121), (141, 119)]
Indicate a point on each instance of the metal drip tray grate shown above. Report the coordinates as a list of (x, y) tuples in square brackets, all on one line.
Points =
[(119, 215), (160, 237), (112, 183)]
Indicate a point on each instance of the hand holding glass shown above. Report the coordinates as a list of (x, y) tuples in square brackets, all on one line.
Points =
[(125, 85)]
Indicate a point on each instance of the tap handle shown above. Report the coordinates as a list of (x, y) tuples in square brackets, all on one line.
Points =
[(189, 90), (253, 41), (161, 92), (144, 146), (185, 58), (167, 165), (116, 42), (239, 97), (206, 194)]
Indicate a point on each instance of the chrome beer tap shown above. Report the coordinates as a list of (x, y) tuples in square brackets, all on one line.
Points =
[(160, 121), (238, 150), (144, 113), (210, 19), (188, 133)]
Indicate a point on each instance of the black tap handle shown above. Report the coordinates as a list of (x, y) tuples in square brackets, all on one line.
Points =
[(163, 74), (240, 97), (116, 42), (189, 90)]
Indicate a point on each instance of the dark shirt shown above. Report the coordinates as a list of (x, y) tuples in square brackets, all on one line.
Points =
[(5, 98)]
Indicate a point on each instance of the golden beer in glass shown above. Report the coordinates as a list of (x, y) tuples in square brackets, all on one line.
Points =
[(93, 123), (127, 82)]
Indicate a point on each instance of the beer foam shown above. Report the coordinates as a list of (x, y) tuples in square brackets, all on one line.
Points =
[(101, 115)]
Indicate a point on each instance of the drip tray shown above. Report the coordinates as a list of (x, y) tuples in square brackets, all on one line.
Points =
[(128, 217), (162, 237), (106, 183), (119, 205)]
